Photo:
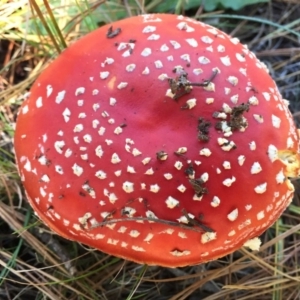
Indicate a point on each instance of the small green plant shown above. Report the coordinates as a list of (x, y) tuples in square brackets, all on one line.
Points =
[(231, 4), (208, 5)]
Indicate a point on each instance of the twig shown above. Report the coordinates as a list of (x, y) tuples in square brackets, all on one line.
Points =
[(134, 219)]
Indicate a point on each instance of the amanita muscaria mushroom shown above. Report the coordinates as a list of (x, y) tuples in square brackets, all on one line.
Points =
[(158, 139)]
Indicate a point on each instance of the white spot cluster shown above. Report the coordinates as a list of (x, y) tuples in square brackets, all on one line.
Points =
[(134, 173)]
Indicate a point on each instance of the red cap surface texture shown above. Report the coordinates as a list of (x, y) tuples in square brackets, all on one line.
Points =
[(158, 139)]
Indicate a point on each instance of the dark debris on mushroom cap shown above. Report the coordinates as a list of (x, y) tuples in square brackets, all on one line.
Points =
[(159, 139)]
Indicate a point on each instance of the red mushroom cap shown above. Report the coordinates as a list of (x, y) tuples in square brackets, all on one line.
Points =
[(158, 139)]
